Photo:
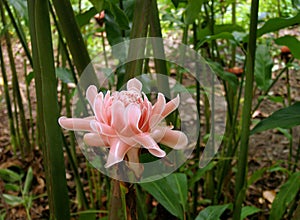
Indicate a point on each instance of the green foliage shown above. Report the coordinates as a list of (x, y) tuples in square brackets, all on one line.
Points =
[(292, 43), (286, 195), (213, 212), (170, 192), (284, 118), (263, 67), (249, 210), (192, 10)]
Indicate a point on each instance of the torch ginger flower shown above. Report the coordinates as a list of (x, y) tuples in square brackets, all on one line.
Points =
[(125, 121)]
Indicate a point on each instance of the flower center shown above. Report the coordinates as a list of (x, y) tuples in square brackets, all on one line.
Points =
[(128, 97)]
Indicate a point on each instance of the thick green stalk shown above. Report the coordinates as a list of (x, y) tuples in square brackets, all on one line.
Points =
[(15, 83), (246, 116), (139, 30), (158, 49), (71, 31), (8, 104), (48, 109)]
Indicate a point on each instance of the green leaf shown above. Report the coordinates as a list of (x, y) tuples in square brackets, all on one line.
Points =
[(84, 18), (120, 17), (199, 174), (222, 35), (249, 210), (178, 182), (28, 181), (292, 43), (21, 7), (9, 175), (213, 212), (165, 195), (98, 4), (12, 200), (263, 67), (114, 35), (286, 195), (284, 118), (192, 10), (29, 77), (276, 24), (12, 187), (64, 75)]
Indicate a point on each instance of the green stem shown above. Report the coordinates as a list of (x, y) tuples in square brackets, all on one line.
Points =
[(48, 109), (246, 116)]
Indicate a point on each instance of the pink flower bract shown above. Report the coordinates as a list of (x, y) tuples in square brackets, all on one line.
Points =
[(126, 121)]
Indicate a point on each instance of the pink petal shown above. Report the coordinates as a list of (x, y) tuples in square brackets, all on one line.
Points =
[(133, 115), (102, 129), (96, 140), (98, 107), (134, 85), (171, 106), (158, 108), (118, 112), (75, 124), (174, 139), (149, 143), (91, 94), (117, 152)]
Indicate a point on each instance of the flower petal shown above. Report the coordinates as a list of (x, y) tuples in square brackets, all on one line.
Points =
[(118, 112), (157, 110), (102, 129), (98, 107), (133, 115), (171, 106), (75, 124), (134, 85), (117, 152), (95, 140), (150, 144), (91, 94), (174, 139)]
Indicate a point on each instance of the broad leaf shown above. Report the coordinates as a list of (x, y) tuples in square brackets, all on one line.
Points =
[(212, 212), (192, 10), (249, 210), (178, 182), (165, 195), (292, 43), (98, 4), (286, 195), (199, 173), (284, 118), (12, 200), (84, 18), (263, 67), (120, 17), (276, 24), (9, 175)]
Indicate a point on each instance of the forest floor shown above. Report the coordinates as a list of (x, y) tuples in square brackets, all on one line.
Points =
[(266, 149)]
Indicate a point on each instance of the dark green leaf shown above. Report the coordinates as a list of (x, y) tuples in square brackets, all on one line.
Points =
[(213, 212), (199, 174), (276, 24), (12, 187), (28, 181), (87, 216), (263, 67), (64, 75), (192, 10), (249, 210), (114, 35), (12, 200), (178, 182), (165, 195), (84, 18), (9, 175), (29, 77), (222, 35), (292, 43), (284, 118), (98, 4), (286, 195), (120, 17)]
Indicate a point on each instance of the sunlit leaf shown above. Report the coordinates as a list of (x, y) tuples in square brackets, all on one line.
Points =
[(263, 67), (12, 200), (165, 195), (248, 210), (284, 118), (286, 195), (292, 43), (212, 212)]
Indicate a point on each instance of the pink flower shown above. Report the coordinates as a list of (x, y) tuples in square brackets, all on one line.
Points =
[(125, 121)]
